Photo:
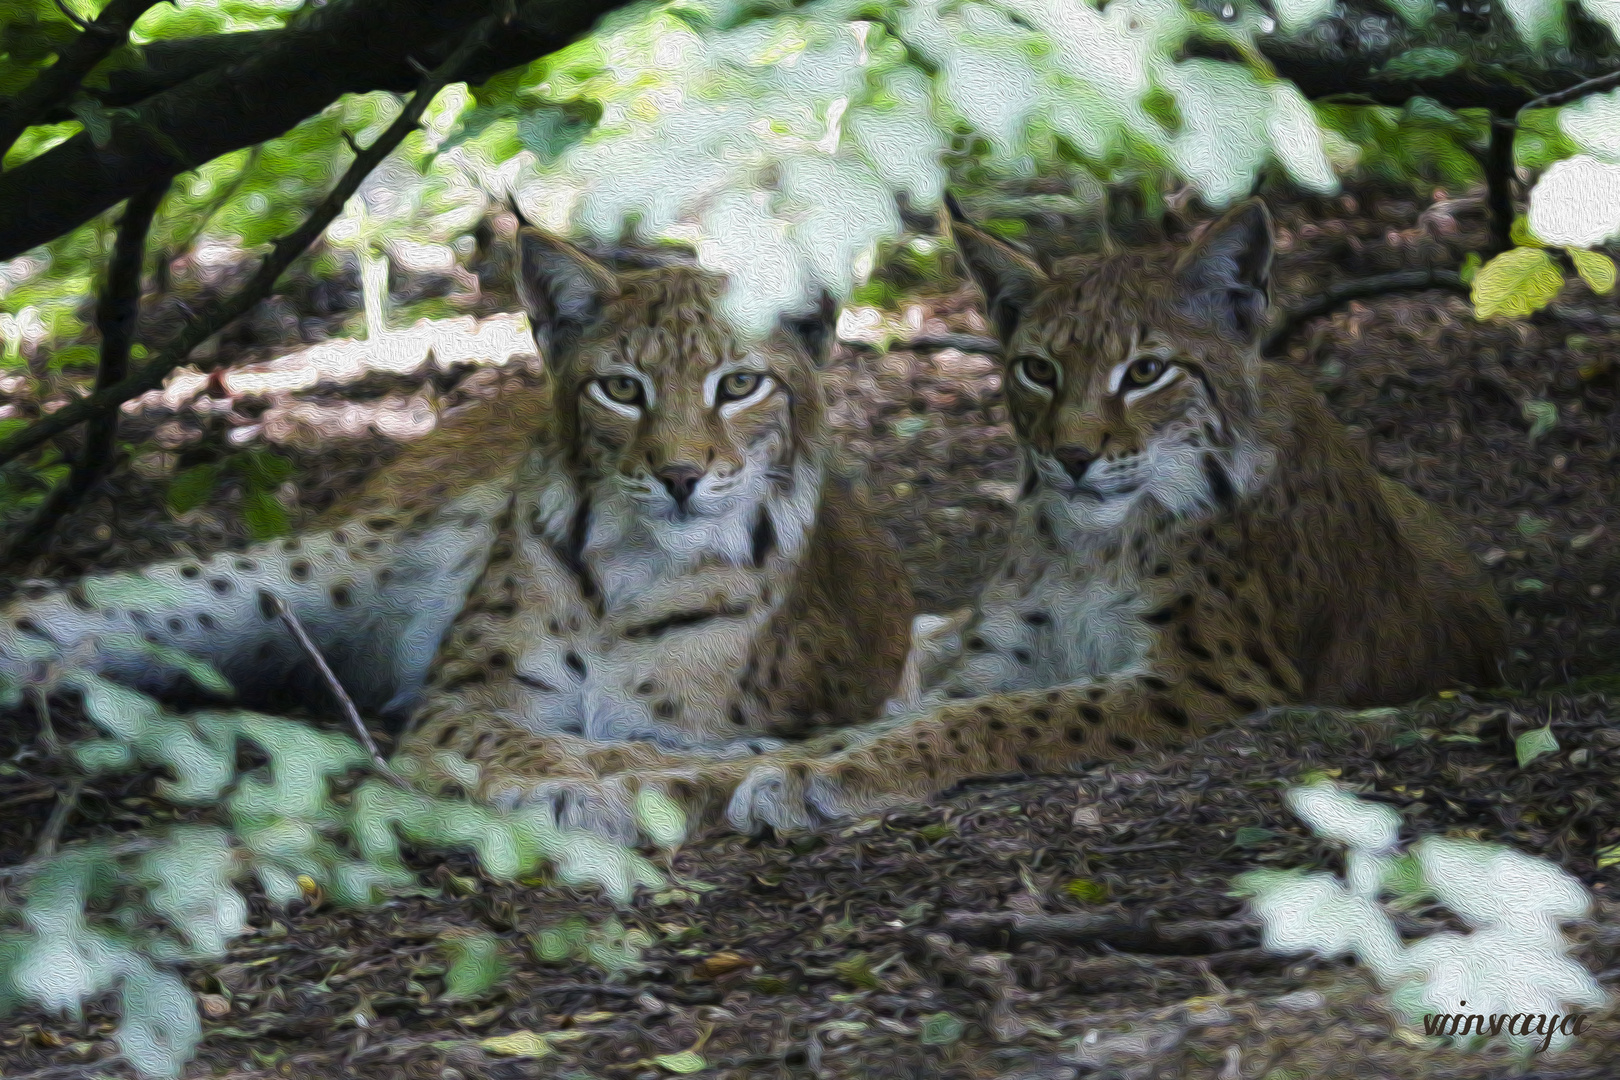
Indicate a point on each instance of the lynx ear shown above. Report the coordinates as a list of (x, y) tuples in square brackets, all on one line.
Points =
[(813, 330), (1227, 273), (1008, 278), (563, 289)]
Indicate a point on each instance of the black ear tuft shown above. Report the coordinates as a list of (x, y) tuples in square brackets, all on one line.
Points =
[(1227, 274), (814, 330), (1008, 278), (563, 289)]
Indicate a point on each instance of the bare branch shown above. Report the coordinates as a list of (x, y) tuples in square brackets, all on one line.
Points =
[(283, 251), (1360, 289), (56, 84), (1563, 97), (116, 316), (296, 628), (224, 92)]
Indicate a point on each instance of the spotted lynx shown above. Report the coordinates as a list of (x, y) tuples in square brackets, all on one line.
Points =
[(658, 553), (1196, 539)]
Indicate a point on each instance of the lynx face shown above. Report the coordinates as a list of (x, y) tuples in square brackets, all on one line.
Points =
[(1132, 384), (678, 430), (678, 441)]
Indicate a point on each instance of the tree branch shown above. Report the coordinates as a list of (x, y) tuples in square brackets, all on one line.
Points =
[(348, 46), (284, 250), (1360, 289), (55, 85), (1498, 167), (116, 315), (1563, 97), (1349, 53)]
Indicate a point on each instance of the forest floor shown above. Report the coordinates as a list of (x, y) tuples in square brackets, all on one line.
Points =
[(950, 940)]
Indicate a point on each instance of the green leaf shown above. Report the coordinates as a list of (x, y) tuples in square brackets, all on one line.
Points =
[(1470, 266), (191, 487), (265, 516), (661, 818), (1608, 857), (687, 1061), (265, 469), (1535, 743), (1538, 22), (1298, 14), (1531, 527), (1516, 283), (1087, 890), (475, 965), (1425, 63), (199, 672), (1519, 232), (1595, 268), (97, 120), (857, 972), (160, 1030), (940, 1029), (1542, 417), (528, 1044), (1252, 836)]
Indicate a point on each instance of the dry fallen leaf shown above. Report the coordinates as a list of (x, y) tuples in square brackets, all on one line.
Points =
[(721, 963), (528, 1044)]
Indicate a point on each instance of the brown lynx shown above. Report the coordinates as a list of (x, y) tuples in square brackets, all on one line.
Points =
[(1197, 539), (681, 573), (655, 557)]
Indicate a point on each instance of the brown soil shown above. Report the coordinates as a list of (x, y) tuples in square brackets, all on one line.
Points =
[(848, 942)]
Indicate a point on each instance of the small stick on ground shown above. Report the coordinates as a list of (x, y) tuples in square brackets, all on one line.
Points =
[(65, 806), (296, 628), (47, 730)]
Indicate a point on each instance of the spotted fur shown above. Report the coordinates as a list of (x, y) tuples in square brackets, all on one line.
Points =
[(1197, 539), (656, 552)]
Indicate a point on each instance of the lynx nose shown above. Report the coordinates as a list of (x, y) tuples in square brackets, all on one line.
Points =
[(681, 480), (1075, 460)]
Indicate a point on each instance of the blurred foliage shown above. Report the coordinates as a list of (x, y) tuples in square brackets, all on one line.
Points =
[(259, 472), (118, 914)]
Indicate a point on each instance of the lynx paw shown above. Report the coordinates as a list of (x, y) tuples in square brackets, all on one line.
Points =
[(793, 797), (604, 806)]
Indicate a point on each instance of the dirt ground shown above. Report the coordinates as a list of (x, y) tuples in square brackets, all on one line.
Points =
[(947, 941)]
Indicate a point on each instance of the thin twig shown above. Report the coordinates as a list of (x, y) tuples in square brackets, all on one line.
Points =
[(283, 251), (1186, 938), (296, 628), (117, 314), (65, 805), (47, 730), (1563, 97), (1362, 288), (226, 195), (57, 83)]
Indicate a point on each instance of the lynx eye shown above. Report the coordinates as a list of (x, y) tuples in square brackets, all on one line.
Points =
[(621, 389), (1036, 371), (738, 385), (1144, 370)]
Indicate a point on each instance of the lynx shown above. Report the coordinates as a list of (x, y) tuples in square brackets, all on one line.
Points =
[(658, 557), (1196, 539)]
